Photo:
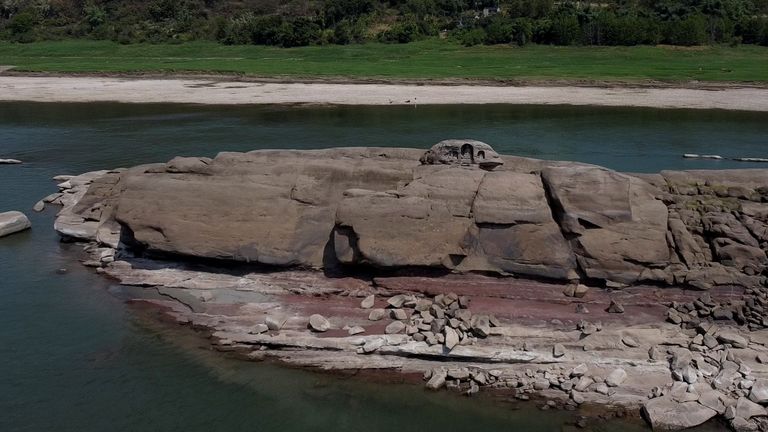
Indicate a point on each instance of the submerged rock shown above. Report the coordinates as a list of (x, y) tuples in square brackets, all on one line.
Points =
[(12, 222)]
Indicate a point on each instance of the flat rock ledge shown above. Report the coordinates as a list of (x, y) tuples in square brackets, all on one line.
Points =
[(636, 291), (12, 222)]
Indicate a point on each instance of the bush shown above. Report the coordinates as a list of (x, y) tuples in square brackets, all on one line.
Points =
[(472, 37), (404, 31), (22, 24), (688, 32)]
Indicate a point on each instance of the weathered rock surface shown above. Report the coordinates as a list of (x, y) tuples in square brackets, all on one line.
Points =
[(381, 207), (12, 222)]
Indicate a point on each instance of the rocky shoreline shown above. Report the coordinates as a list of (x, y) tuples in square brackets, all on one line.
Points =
[(544, 279)]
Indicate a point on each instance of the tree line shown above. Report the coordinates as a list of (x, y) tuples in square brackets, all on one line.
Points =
[(471, 22)]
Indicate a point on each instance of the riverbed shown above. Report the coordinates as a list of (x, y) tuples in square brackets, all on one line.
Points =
[(74, 357)]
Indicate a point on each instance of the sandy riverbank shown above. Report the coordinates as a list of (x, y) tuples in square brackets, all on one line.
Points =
[(234, 92)]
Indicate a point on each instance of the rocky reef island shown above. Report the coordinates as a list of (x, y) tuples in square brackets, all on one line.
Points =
[(471, 270)]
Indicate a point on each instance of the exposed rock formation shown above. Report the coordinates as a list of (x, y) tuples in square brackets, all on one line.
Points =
[(12, 222), (380, 207)]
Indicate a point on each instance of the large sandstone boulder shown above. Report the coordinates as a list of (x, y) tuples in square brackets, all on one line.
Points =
[(385, 208), (616, 224), (666, 414)]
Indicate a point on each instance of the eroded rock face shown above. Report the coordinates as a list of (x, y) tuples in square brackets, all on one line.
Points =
[(381, 207)]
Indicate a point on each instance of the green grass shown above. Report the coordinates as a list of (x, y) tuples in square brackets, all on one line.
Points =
[(430, 59)]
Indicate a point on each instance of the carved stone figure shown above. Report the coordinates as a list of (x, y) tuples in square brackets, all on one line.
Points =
[(462, 152)]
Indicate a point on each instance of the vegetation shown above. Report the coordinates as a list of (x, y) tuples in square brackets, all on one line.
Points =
[(321, 22), (429, 58)]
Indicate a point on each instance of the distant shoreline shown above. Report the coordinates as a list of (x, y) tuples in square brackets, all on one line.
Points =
[(233, 90)]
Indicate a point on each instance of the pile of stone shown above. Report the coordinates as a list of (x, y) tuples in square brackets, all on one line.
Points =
[(708, 380), (444, 319), (749, 311)]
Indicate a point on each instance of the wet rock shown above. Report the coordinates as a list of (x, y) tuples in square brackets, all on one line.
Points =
[(437, 380), (39, 206), (319, 323), (377, 314), (368, 302), (12, 222), (664, 413)]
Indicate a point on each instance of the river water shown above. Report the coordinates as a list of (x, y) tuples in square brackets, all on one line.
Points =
[(75, 358)]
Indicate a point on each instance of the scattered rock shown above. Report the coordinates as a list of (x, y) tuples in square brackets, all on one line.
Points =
[(394, 327), (355, 330), (377, 314), (274, 322), (615, 307), (374, 344), (319, 323), (629, 341), (733, 339), (368, 302), (747, 409), (579, 370), (451, 338), (398, 314), (259, 329), (616, 377), (437, 380), (396, 301)]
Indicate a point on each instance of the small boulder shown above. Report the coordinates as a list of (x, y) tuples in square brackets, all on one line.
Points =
[(319, 323), (629, 341), (397, 301), (398, 314), (373, 345), (39, 206)]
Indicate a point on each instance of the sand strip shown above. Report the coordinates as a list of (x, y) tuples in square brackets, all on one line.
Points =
[(232, 92)]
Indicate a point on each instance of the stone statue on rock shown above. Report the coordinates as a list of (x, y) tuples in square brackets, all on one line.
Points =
[(462, 152)]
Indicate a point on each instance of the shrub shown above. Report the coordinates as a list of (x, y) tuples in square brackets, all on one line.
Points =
[(472, 37)]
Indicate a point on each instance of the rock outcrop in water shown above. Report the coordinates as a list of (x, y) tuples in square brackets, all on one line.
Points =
[(381, 207), (683, 355)]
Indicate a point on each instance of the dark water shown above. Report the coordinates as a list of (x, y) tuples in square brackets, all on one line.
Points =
[(74, 358)]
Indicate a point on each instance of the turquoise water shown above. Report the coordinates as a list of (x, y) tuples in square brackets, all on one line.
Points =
[(75, 358)]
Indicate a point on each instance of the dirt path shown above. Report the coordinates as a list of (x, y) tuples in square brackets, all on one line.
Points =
[(234, 92)]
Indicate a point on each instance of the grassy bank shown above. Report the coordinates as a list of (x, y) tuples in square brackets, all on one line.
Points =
[(433, 59)]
